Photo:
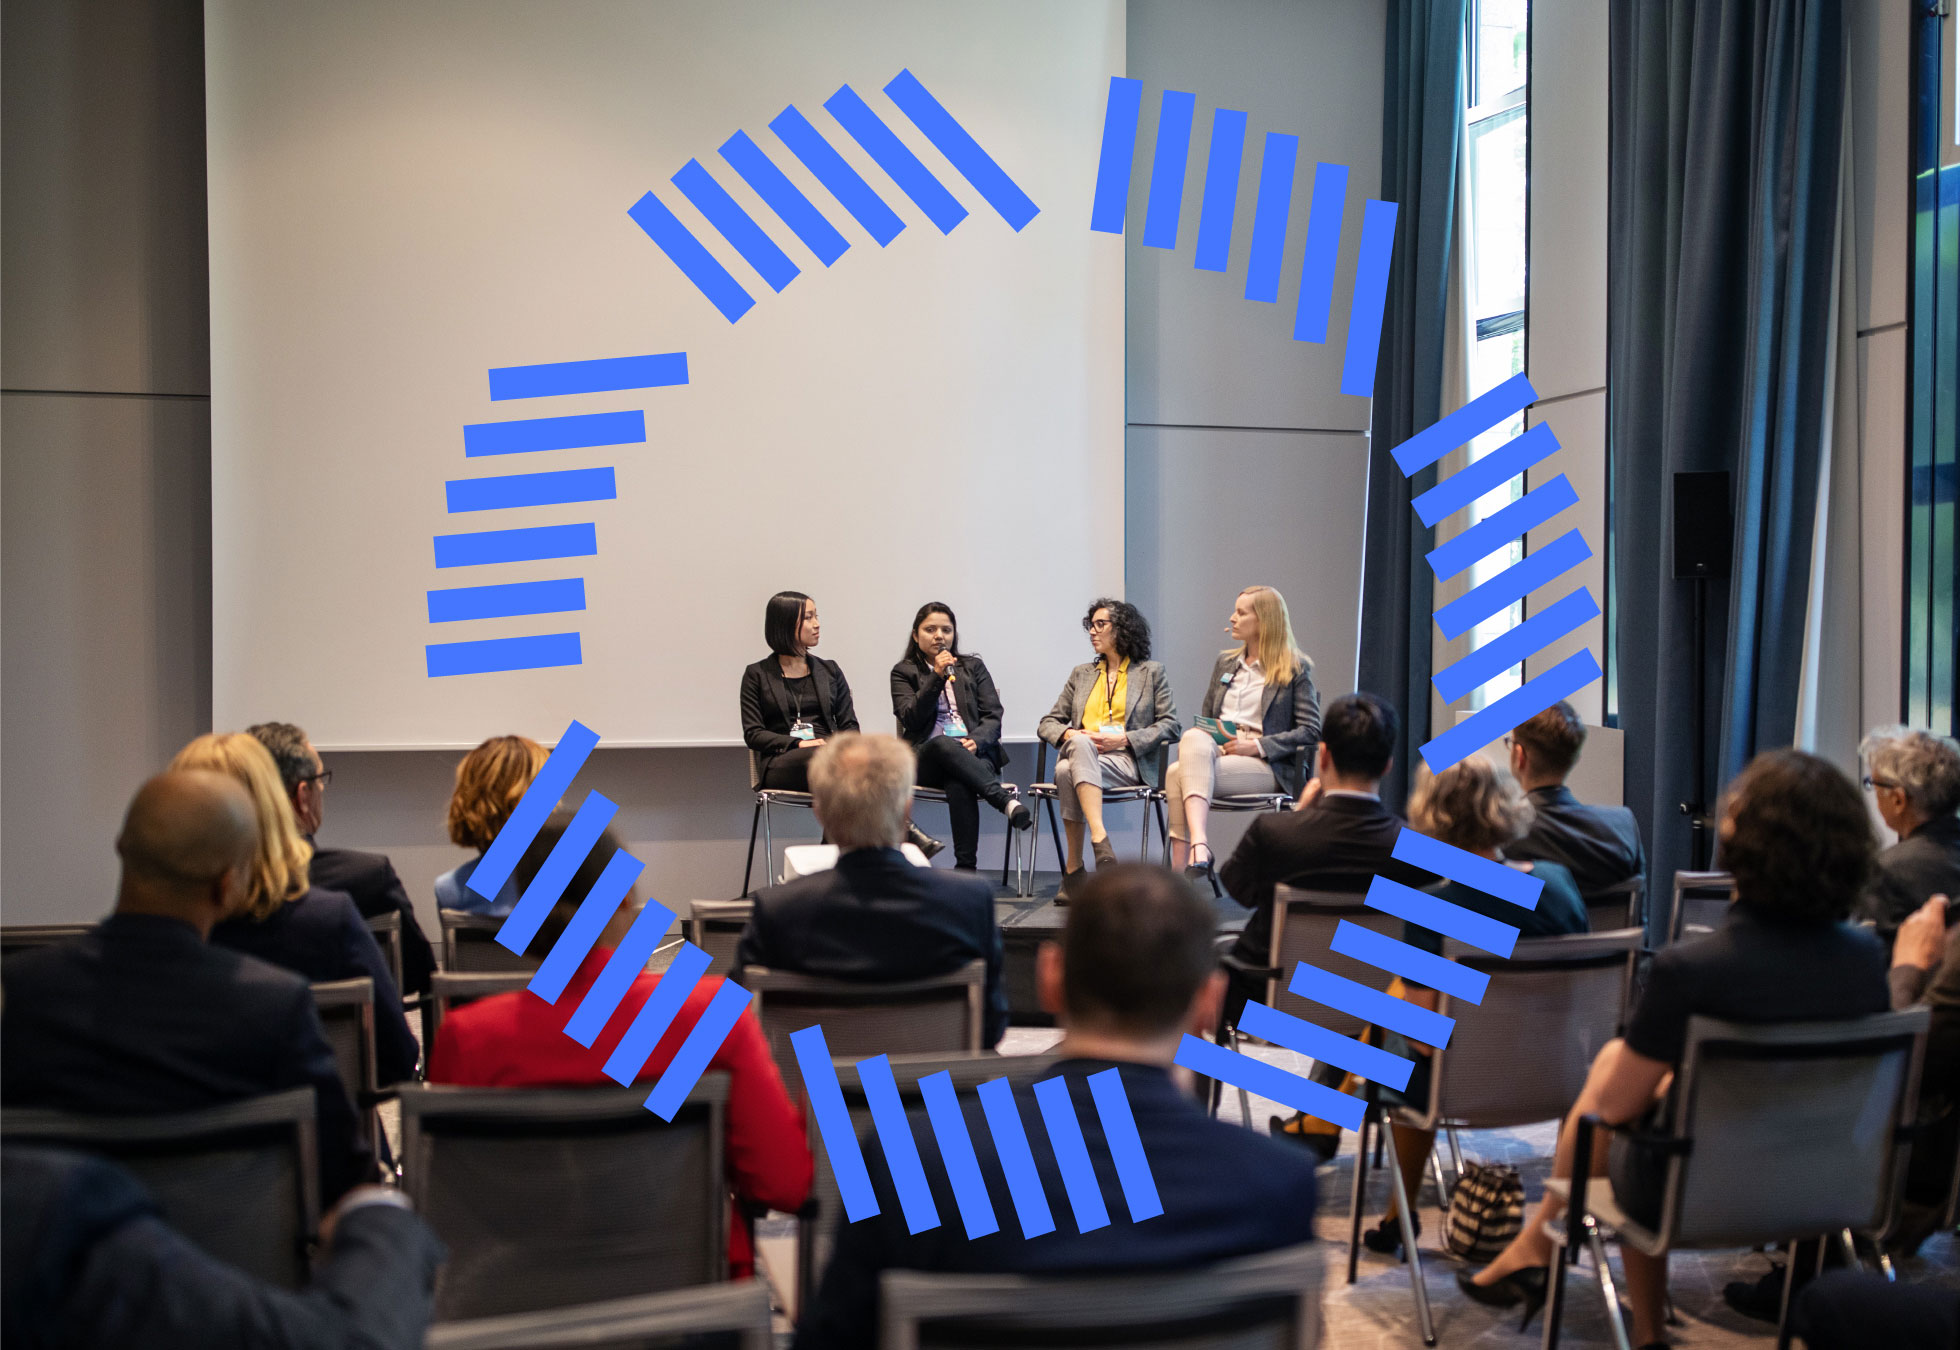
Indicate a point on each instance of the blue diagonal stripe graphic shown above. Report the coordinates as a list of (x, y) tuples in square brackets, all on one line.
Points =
[(687, 253), (1221, 201), (629, 959), (1119, 1127), (1478, 873), (1440, 916), (1370, 297), (1540, 692), (737, 226), (657, 1014), (554, 433), (1270, 1081), (684, 1070), (895, 158), (488, 655), (1322, 250), (1016, 1158), (1167, 165), (843, 182), (533, 809), (592, 816), (901, 1149), (840, 1142), (956, 1151), (532, 544), (1473, 419), (594, 913), (509, 600), (1411, 963), (1513, 584), (784, 197), (1117, 156), (961, 150), (1071, 1154), (1370, 1005), (1275, 203), (1508, 648), (1494, 531), (588, 377), (1487, 474), (554, 488), (1316, 1042)]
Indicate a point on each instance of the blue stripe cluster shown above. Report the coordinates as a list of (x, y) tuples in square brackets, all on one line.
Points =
[(949, 1130), (656, 1016), (1223, 162), (1455, 681), (554, 487), (872, 134)]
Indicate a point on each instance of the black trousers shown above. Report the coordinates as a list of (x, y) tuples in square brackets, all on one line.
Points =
[(789, 772), (967, 780), (1848, 1310)]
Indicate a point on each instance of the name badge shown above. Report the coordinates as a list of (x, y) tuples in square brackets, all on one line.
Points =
[(800, 730), (956, 726)]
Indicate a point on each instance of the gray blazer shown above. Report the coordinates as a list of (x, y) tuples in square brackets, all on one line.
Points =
[(1289, 720), (1149, 715)]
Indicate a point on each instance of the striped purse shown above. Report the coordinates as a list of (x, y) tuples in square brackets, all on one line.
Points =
[(1486, 1211)]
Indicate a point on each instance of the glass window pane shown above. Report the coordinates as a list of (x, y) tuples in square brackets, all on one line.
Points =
[(1497, 214), (1500, 56)]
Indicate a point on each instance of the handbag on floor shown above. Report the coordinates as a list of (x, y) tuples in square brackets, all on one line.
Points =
[(1486, 1211)]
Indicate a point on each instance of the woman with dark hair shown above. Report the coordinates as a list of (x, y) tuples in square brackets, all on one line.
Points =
[(1108, 723), (947, 709), (1796, 836), (793, 701)]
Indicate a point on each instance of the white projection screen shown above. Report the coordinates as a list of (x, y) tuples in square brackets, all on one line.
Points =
[(406, 197)]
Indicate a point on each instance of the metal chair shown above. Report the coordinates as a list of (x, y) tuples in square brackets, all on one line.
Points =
[(1153, 798), (1779, 1132), (765, 800), (1517, 1057), (817, 1225), (1709, 893), (1621, 905), (200, 1163), (1012, 854), (556, 1197), (387, 930), (716, 926), (470, 946), (1266, 1302), (718, 1311), (346, 1010), (19, 937), (449, 991), (1240, 803)]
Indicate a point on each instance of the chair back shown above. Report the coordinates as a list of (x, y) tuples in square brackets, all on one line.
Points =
[(449, 991), (470, 946), (387, 930), (715, 1313), (1701, 899), (1522, 1054), (939, 1015), (1303, 927), (1790, 1130), (346, 1010), (1266, 1302), (19, 937), (1621, 905), (715, 926), (201, 1164), (553, 1197)]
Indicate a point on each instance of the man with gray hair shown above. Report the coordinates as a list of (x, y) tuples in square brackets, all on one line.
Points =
[(1914, 777), (875, 918)]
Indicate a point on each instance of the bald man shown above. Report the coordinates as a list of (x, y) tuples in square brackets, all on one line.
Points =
[(141, 1015)]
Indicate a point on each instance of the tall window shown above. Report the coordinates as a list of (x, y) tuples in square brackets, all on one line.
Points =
[(1495, 166)]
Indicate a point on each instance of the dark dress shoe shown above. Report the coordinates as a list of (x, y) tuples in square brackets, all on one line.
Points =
[(1525, 1286), (922, 841), (1385, 1238), (1105, 853), (1323, 1145), (1071, 882)]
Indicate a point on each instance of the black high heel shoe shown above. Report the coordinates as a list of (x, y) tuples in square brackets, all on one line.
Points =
[(1205, 871), (1385, 1238), (1526, 1286)]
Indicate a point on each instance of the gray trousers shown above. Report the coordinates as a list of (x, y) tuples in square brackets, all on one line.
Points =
[(1080, 762), (1204, 770)]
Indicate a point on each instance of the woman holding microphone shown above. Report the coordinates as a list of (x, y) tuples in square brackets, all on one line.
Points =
[(947, 709)]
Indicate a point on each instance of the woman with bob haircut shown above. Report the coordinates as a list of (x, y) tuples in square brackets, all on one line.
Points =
[(1796, 836), (490, 782), (288, 921)]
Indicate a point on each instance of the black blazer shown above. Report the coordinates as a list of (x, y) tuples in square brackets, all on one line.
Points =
[(1924, 864), (1289, 720), (321, 936), (142, 1016), (370, 880), (767, 709), (915, 702), (1599, 845), (1226, 1192), (876, 918)]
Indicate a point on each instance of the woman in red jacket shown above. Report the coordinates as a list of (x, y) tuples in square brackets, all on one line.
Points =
[(518, 1040)]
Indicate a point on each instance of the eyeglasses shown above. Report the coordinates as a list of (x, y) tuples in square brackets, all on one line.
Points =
[(1097, 625), (324, 777), (1871, 783)]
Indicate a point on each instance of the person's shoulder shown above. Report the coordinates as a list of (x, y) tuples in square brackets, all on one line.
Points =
[(973, 890), (1556, 876), (1253, 1162), (352, 865), (327, 905)]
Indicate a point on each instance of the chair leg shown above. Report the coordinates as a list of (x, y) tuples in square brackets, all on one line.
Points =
[(1360, 1193), (1554, 1298), (1055, 836), (1436, 1175), (748, 868), (1783, 1306), (768, 845), (1456, 1150), (1849, 1246), (1603, 1272), (1405, 1208), (1163, 829)]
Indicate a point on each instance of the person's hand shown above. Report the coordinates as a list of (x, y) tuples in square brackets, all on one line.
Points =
[(359, 1194), (812, 743), (1309, 794), (971, 748), (1921, 936), (1107, 741), (943, 662), (1242, 743)]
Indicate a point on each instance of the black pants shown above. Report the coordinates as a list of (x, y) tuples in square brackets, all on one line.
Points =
[(789, 772), (1847, 1310), (967, 780)]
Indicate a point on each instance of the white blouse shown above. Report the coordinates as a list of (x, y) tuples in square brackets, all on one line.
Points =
[(1243, 694)]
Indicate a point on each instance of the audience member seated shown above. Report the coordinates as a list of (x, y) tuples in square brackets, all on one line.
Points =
[(304, 928), (1135, 973), (1106, 726), (1854, 1310), (875, 917), (367, 877), (89, 1263), (1914, 777), (949, 712), (143, 1016), (490, 782), (517, 1040), (1796, 835), (1598, 845), (1482, 811), (1264, 688), (1926, 969)]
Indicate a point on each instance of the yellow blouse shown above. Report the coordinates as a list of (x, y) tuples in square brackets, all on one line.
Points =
[(1105, 708)]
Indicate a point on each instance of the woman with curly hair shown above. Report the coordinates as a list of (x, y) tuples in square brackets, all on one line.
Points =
[(1108, 723), (490, 782)]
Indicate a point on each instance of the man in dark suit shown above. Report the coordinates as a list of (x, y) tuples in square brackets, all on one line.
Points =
[(1135, 973), (1599, 845), (1914, 778), (141, 1015), (89, 1261), (368, 877), (875, 917)]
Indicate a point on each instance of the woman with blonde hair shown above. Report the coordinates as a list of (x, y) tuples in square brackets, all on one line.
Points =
[(490, 782), (285, 919), (1257, 728)]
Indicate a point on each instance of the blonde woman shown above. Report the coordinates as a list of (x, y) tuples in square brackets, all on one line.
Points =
[(490, 782), (1264, 688), (285, 919)]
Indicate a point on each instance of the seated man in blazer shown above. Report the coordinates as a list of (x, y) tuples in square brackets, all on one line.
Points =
[(141, 1015), (1599, 845), (1135, 973), (875, 917), (369, 878)]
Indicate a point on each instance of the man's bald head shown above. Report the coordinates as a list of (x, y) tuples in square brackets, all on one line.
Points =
[(187, 834)]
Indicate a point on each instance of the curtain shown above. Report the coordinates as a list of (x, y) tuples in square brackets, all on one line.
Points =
[(1422, 125), (1723, 162)]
